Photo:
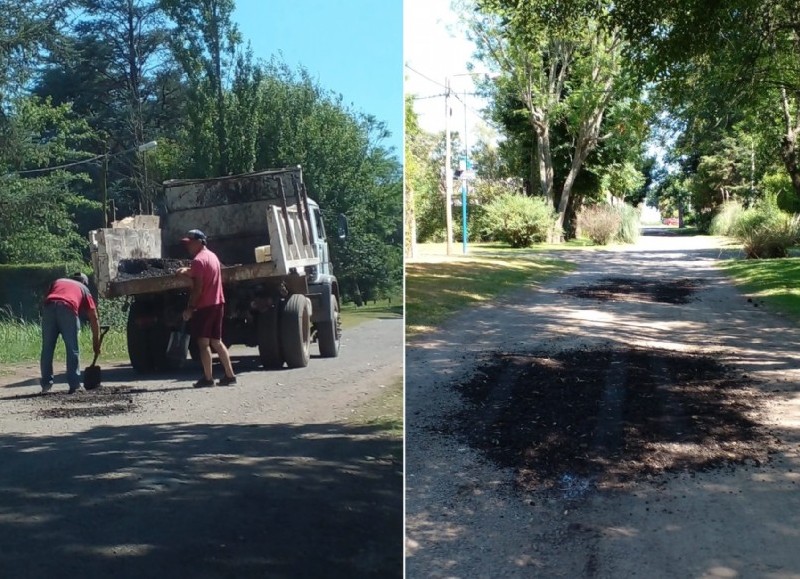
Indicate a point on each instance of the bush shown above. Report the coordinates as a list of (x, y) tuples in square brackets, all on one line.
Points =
[(600, 223), (519, 220), (765, 231), (726, 217), (630, 223)]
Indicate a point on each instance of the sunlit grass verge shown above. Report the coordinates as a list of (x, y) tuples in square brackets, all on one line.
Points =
[(437, 287), (21, 342), (384, 412), (385, 308), (776, 282)]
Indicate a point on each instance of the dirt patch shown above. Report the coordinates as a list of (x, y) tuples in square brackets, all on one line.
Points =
[(677, 291), (104, 401), (583, 417)]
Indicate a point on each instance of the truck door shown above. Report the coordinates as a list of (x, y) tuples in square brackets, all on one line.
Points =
[(320, 241)]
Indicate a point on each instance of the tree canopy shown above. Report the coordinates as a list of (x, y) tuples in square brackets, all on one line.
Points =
[(84, 83), (684, 104)]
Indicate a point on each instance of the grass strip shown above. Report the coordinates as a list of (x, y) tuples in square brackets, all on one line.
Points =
[(776, 282), (21, 342), (437, 287), (384, 413), (385, 308)]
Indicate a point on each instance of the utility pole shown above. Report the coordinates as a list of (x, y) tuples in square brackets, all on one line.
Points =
[(448, 169), (105, 186)]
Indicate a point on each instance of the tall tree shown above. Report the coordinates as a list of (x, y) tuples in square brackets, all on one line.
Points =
[(39, 208), (205, 40), (561, 64), (28, 28), (714, 62), (347, 169)]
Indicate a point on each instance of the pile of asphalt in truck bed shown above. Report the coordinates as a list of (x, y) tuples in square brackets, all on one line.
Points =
[(153, 267)]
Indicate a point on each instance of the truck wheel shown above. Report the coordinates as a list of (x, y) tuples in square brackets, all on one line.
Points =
[(138, 339), (269, 345), (329, 332), (296, 331)]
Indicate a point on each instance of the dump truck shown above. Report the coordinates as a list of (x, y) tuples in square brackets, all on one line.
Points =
[(280, 291)]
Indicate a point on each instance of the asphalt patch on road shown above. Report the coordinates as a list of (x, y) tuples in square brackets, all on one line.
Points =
[(577, 419), (104, 401), (676, 291)]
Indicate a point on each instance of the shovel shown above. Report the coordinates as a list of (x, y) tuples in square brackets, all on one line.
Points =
[(91, 375), (178, 345)]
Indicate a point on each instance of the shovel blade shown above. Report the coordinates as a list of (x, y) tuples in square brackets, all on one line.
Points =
[(91, 377)]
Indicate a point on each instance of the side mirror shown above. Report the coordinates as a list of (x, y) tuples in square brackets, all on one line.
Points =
[(342, 226)]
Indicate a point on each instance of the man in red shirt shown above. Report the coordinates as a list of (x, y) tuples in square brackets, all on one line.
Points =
[(66, 300), (206, 308)]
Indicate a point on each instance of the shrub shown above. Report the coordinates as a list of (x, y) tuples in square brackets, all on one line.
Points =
[(726, 217), (519, 220), (600, 223), (630, 223), (765, 231)]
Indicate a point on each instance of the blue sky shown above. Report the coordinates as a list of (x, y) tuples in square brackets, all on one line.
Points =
[(351, 47)]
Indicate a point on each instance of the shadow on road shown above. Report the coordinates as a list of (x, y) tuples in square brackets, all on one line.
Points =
[(180, 500)]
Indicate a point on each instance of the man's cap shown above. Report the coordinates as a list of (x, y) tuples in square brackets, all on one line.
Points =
[(81, 277), (195, 234)]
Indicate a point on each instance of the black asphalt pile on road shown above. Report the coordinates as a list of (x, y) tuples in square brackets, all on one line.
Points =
[(677, 291), (105, 401), (610, 416), (155, 267)]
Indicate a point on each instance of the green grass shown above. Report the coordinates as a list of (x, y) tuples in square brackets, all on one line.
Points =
[(384, 412), (21, 342), (391, 308), (776, 282), (437, 286)]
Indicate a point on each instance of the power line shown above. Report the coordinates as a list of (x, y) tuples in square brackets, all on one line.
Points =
[(141, 148), (65, 166), (426, 77), (466, 106), (432, 96)]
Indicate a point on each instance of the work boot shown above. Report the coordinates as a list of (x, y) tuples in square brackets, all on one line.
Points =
[(203, 383)]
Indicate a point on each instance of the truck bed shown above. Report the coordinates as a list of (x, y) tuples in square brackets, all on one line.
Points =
[(230, 275)]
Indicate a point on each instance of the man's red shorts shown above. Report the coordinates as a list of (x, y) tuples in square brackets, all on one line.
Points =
[(207, 322)]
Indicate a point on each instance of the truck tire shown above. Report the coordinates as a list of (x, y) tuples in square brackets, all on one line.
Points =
[(296, 331), (269, 345), (159, 340), (329, 333), (138, 338)]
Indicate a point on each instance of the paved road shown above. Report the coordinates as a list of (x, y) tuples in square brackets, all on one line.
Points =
[(464, 517), (264, 479)]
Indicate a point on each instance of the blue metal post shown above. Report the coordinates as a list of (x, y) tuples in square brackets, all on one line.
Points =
[(464, 184), (464, 216)]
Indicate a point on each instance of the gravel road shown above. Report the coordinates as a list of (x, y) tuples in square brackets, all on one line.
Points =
[(153, 478), (467, 517)]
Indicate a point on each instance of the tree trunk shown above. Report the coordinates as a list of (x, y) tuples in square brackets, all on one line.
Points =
[(544, 158), (789, 152)]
